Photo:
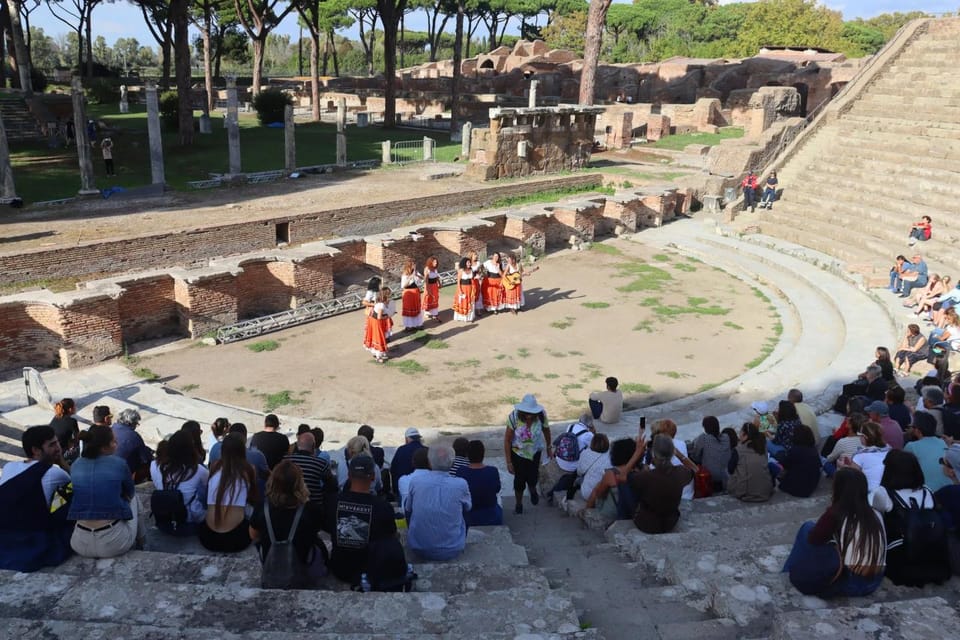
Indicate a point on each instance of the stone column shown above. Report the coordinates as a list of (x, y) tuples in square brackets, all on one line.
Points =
[(205, 124), (385, 152), (233, 127), (153, 130), (427, 149), (124, 103), (465, 139), (87, 185), (341, 132), (532, 100), (7, 188), (289, 139)]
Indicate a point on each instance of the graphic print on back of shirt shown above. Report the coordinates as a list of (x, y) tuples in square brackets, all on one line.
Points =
[(353, 524)]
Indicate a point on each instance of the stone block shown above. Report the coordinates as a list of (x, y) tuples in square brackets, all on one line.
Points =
[(919, 618), (658, 126)]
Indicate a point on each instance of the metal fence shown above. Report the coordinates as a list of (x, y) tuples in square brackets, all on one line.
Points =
[(407, 151)]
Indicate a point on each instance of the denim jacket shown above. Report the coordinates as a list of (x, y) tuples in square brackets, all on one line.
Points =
[(102, 488)]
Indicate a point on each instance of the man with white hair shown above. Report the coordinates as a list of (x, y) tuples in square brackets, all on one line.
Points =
[(435, 504), (130, 445)]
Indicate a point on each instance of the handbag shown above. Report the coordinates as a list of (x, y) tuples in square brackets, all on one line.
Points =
[(702, 483)]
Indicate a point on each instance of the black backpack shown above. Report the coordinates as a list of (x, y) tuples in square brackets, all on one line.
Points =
[(923, 540), (167, 505), (282, 567)]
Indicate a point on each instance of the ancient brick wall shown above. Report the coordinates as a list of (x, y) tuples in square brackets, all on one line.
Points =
[(264, 287), (312, 279), (207, 303), (91, 331), (147, 308), (29, 334)]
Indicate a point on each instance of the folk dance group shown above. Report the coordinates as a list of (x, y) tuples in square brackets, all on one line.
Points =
[(492, 286)]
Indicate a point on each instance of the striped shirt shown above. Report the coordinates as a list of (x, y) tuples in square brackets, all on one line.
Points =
[(314, 471)]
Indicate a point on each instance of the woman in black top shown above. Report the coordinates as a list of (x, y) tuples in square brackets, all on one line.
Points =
[(801, 464), (66, 428)]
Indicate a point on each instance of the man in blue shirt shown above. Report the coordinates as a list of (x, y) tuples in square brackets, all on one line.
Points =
[(402, 462), (910, 281), (928, 449), (130, 446), (435, 504)]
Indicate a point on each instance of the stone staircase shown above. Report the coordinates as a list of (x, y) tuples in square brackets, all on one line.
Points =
[(19, 123), (194, 594), (878, 160)]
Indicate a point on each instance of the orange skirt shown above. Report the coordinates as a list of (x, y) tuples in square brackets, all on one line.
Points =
[(375, 336), (411, 303), (492, 294), (513, 298), (431, 298), (463, 301)]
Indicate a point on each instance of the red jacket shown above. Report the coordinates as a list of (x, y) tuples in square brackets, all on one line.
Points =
[(750, 182)]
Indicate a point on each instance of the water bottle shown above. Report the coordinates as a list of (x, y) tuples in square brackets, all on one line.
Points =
[(364, 583)]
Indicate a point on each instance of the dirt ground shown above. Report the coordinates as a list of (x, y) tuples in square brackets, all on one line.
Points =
[(665, 325)]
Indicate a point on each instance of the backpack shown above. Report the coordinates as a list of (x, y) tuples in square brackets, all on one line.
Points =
[(167, 505), (282, 568), (387, 568), (567, 445), (923, 542)]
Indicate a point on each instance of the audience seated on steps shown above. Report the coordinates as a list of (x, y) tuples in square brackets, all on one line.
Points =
[(218, 431), (254, 456), (896, 409), (179, 500), (870, 384), (402, 462), (846, 446), (948, 500), (764, 420), (231, 491), (67, 428), (270, 441), (870, 458), (843, 553), (879, 412), (592, 464), (421, 466), (195, 431), (656, 490), (916, 549), (357, 446), (34, 498), (897, 271), (711, 449), (287, 515), (606, 496), (460, 459), (317, 475), (750, 478), (806, 413), (914, 276), (781, 440), (560, 472), (435, 507), (928, 449), (931, 399), (105, 505), (130, 446), (484, 484), (801, 465), (669, 427), (365, 539), (609, 402)]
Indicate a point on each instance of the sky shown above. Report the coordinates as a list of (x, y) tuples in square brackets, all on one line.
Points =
[(123, 20)]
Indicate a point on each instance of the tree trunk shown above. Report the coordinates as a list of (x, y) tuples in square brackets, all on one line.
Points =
[(315, 73), (207, 67), (333, 49), (258, 47), (326, 54), (596, 17), (218, 55), (373, 36), (19, 46), (390, 13), (165, 48), (89, 44), (402, 29), (180, 18), (457, 62)]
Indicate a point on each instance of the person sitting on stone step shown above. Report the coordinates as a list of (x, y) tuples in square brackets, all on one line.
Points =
[(130, 445), (435, 506), (801, 465), (928, 449), (357, 446), (607, 497), (484, 484), (769, 191), (421, 466), (897, 272), (657, 490), (850, 526), (948, 501), (270, 441), (847, 445), (870, 458), (35, 532), (254, 456), (915, 277), (231, 488), (320, 481), (711, 449), (750, 480), (460, 455), (921, 231), (180, 470), (878, 411), (591, 465)]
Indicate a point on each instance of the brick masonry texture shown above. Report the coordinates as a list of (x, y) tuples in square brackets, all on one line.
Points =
[(103, 316)]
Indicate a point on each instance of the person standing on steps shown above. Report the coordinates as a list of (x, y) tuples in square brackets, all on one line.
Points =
[(525, 439), (749, 186), (106, 148), (769, 191)]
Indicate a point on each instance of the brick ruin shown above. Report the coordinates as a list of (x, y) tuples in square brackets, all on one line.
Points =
[(101, 317), (523, 142)]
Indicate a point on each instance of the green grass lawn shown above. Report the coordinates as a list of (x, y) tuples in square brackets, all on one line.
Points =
[(678, 142), (44, 174)]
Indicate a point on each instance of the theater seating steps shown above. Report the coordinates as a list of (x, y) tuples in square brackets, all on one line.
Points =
[(866, 172), (19, 123)]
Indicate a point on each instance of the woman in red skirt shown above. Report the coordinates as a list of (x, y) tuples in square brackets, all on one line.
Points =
[(513, 285), (411, 282), (431, 289), (493, 284), (378, 320), (476, 267), (464, 297)]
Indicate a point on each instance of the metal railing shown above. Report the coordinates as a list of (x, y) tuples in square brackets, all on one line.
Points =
[(407, 151), (307, 313)]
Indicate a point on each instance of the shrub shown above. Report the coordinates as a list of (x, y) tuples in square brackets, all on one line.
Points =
[(270, 104), (102, 90), (169, 109), (38, 79)]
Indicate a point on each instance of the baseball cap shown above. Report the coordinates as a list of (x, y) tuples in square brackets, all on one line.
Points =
[(760, 407), (878, 406), (361, 466)]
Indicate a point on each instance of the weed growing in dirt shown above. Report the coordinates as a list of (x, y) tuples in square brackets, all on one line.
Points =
[(509, 400), (500, 357), (645, 277), (264, 345), (591, 370), (410, 367), (566, 323), (240, 389), (187, 388), (695, 306), (595, 305), (273, 401), (523, 352), (707, 387), (551, 376), (635, 387), (146, 373), (676, 375), (645, 325), (575, 353), (732, 325), (682, 266), (661, 257), (608, 249), (472, 362)]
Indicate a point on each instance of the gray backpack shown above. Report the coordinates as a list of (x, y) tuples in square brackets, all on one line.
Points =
[(282, 568)]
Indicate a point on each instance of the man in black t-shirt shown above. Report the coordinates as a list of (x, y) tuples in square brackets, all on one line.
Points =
[(365, 527), (270, 442)]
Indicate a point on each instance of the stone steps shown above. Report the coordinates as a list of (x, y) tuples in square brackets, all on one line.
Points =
[(919, 618)]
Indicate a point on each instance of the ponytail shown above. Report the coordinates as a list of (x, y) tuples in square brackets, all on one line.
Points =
[(64, 408), (95, 439)]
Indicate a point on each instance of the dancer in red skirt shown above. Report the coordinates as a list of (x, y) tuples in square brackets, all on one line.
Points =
[(411, 281), (464, 297), (431, 290), (513, 285), (477, 268), (493, 284), (375, 337)]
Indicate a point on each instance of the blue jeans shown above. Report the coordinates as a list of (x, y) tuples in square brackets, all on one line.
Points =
[(895, 281), (749, 198), (848, 584), (909, 285), (769, 196)]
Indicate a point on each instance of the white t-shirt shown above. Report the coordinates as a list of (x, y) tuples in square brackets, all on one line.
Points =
[(871, 462), (591, 467), (194, 490), (583, 441), (681, 446), (492, 267), (235, 496), (880, 500), (413, 279), (53, 479)]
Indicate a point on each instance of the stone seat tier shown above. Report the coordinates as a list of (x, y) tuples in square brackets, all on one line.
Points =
[(238, 609), (890, 123), (905, 144), (933, 114), (919, 618), (918, 84), (854, 142), (873, 155), (893, 98)]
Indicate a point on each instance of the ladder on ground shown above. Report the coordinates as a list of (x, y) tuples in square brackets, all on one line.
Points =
[(307, 313)]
